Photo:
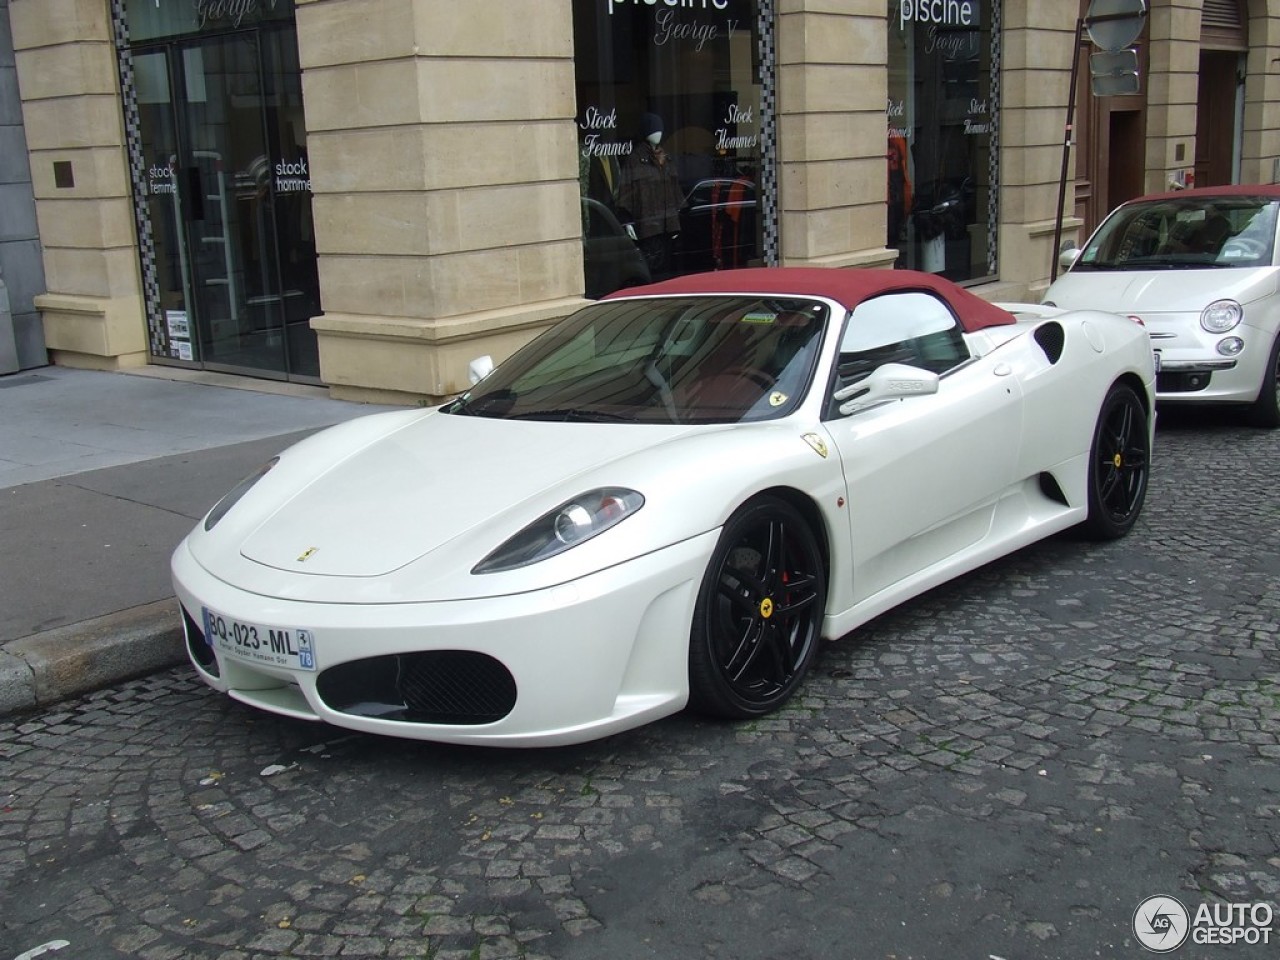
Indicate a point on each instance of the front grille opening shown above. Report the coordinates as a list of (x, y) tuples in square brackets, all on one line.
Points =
[(441, 686), (199, 648)]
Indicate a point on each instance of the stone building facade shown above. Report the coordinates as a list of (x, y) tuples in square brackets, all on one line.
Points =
[(21, 271), (369, 193)]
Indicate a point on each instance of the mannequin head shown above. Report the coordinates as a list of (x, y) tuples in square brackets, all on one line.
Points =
[(651, 128)]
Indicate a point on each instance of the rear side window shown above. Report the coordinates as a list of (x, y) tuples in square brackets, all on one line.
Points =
[(913, 327)]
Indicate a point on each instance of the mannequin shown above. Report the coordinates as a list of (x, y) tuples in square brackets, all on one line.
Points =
[(649, 196), (899, 189)]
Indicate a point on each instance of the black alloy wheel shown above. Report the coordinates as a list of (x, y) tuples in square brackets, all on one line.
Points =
[(1119, 464), (1265, 411), (758, 618)]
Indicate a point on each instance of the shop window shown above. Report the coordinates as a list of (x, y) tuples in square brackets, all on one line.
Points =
[(670, 138), (222, 184), (942, 115)]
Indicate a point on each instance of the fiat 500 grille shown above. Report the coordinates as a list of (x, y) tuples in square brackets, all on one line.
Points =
[(442, 686)]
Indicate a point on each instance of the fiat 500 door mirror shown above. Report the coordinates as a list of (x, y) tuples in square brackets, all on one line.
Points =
[(1068, 254)]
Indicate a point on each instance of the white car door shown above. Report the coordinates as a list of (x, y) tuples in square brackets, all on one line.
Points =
[(923, 473)]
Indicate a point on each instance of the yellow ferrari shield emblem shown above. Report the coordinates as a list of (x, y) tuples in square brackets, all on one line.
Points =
[(766, 607), (817, 443)]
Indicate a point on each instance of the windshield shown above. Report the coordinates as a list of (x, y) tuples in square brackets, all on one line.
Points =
[(721, 359), (1203, 232)]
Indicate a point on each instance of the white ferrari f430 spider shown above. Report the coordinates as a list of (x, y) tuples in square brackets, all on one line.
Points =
[(665, 501)]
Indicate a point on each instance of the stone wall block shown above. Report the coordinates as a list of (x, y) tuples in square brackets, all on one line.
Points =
[(73, 123), (48, 23), (104, 224), (70, 70)]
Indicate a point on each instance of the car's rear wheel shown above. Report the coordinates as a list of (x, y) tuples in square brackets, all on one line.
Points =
[(758, 618), (1119, 465), (1265, 411)]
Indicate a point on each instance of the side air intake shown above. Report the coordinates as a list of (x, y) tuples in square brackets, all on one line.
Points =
[(1050, 488), (1052, 338)]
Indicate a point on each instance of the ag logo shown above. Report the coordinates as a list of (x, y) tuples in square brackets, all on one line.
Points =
[(1161, 924)]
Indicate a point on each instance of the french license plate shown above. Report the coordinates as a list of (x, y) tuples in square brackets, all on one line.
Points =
[(1156, 355), (289, 647)]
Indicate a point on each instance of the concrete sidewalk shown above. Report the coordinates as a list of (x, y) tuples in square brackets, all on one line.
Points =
[(101, 474)]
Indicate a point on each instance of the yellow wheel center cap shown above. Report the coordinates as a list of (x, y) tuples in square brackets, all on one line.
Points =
[(1118, 461), (766, 607)]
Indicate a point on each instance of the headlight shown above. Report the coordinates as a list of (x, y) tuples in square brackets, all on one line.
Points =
[(568, 525), (1221, 316), (239, 490), (1230, 347)]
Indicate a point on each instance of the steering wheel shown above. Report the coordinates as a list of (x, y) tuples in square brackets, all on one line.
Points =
[(1244, 248), (654, 376), (753, 374)]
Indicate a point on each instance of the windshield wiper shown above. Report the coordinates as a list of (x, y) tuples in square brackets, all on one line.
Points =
[(1083, 265), (1166, 263), (572, 414), (491, 405)]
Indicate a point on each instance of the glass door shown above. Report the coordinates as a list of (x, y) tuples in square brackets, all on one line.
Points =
[(229, 201)]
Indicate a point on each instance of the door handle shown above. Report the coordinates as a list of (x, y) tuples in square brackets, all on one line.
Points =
[(1002, 370), (194, 196)]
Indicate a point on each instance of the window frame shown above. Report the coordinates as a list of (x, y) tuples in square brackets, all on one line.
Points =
[(955, 335)]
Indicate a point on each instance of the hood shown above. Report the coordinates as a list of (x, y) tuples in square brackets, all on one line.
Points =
[(1159, 291), (407, 493)]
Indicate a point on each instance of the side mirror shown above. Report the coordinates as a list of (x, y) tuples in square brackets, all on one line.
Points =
[(893, 381), (479, 368), (1068, 254)]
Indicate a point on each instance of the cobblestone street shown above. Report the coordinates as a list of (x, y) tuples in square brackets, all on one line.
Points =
[(1001, 770)]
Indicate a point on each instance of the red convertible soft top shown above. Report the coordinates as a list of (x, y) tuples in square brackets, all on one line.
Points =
[(1269, 190), (845, 286)]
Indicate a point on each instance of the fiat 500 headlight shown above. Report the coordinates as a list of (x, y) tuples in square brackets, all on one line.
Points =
[(239, 490), (568, 525), (1221, 316)]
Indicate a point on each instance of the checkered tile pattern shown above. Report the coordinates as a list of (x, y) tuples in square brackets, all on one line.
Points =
[(993, 157), (765, 30), (157, 332)]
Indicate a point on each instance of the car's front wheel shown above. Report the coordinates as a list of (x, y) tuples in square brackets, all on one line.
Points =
[(758, 618), (1119, 464), (1265, 411)]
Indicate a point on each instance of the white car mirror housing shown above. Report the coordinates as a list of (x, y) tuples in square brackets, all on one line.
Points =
[(1068, 254), (893, 381), (479, 368)]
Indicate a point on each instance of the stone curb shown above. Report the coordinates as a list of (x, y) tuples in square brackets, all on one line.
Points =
[(42, 669)]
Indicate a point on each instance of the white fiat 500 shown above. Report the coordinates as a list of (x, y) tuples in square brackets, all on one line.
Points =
[(666, 500), (1199, 269)]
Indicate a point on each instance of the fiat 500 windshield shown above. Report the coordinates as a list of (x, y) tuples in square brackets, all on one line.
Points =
[(669, 360), (1178, 234)]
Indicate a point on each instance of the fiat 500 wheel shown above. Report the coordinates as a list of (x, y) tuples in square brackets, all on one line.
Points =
[(759, 613), (1265, 411), (1119, 462)]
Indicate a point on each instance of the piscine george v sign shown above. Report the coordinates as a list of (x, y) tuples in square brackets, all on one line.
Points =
[(939, 13)]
